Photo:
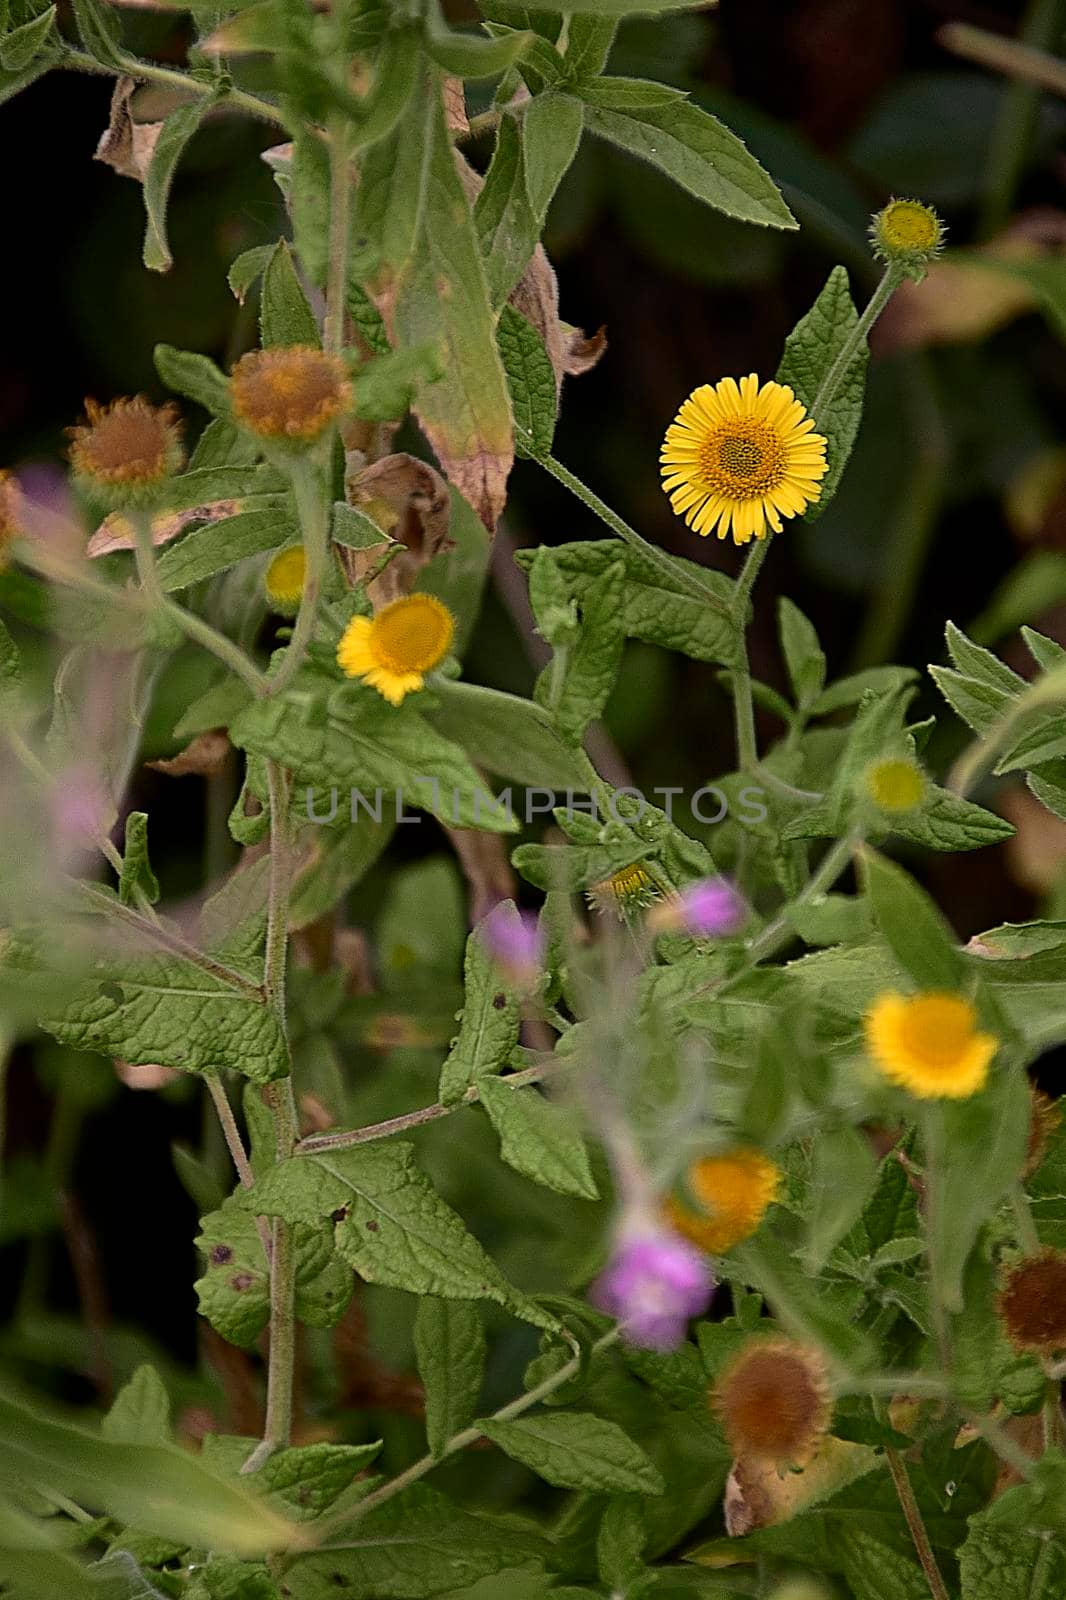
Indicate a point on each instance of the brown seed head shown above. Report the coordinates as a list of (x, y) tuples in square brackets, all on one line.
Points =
[(129, 445), (1032, 1302), (773, 1401), (289, 392)]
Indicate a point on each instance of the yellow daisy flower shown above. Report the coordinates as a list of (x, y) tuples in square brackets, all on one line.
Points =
[(625, 892), (394, 650), (733, 1191), (773, 1399), (740, 458), (284, 580), (895, 786), (929, 1044)]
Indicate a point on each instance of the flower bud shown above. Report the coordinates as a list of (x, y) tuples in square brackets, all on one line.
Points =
[(907, 234)]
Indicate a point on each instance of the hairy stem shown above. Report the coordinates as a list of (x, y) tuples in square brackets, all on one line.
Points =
[(891, 279), (743, 705), (197, 88), (339, 234), (913, 1517), (312, 506), (235, 1146)]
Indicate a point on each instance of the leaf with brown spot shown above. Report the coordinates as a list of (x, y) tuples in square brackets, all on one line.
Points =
[(116, 531), (204, 757)]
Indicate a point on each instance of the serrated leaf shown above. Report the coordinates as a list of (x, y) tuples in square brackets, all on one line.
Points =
[(976, 662), (575, 1450), (507, 735), (246, 268), (309, 1478), (878, 1572), (354, 529), (217, 546), (811, 350), (194, 376), (948, 822), (392, 1228), (22, 45), (590, 666), (137, 877), (285, 318), (100, 33), (234, 1288), (174, 135), (663, 127), (655, 608), (531, 380), (539, 1139), (309, 202), (980, 705), (140, 1412), (391, 198), (588, 44), (488, 1028), (804, 657), (450, 1351)]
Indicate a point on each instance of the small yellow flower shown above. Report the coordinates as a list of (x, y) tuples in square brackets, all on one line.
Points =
[(289, 392), (394, 650), (740, 458), (624, 892), (284, 581), (10, 513), (1032, 1302), (929, 1044), (909, 233), (773, 1399), (129, 447), (895, 786), (733, 1192)]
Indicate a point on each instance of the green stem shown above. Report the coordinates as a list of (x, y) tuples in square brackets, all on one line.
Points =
[(340, 190), (891, 279), (1040, 32), (149, 72), (312, 506), (460, 1441), (743, 704), (913, 1518), (673, 570)]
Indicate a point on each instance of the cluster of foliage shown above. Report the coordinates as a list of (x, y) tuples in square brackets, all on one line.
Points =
[(818, 1089)]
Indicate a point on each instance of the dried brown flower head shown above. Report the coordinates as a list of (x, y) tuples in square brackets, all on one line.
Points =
[(1032, 1302), (1045, 1119), (290, 392), (773, 1401), (130, 446)]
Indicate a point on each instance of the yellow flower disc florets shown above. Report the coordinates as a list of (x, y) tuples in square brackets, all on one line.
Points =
[(284, 581), (908, 233), (738, 458), (774, 1403), (289, 392), (732, 1192), (624, 893), (895, 786), (1032, 1302), (929, 1044), (129, 448), (10, 513), (394, 650)]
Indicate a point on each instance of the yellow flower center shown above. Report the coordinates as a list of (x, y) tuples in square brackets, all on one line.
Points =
[(937, 1029), (895, 785), (907, 225), (742, 459), (412, 635)]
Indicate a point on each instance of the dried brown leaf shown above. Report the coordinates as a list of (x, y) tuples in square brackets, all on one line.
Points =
[(204, 757), (411, 500), (116, 532), (126, 145)]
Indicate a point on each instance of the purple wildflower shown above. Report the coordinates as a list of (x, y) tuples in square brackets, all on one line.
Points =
[(512, 938), (654, 1283), (708, 909)]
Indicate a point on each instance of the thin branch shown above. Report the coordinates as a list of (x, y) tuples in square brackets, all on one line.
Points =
[(913, 1517)]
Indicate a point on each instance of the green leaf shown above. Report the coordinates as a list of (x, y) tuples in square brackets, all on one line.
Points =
[(507, 735), (23, 45), (412, 1545), (450, 1351), (849, 691), (531, 380), (655, 608), (488, 1029), (309, 176), (977, 1152), (916, 933), (539, 1139), (662, 126), (100, 33), (575, 1450), (800, 1302), (386, 386), (248, 266), (10, 673), (947, 822), (234, 1289), (309, 1478), (285, 318), (137, 876), (471, 55), (163, 1007), (588, 44), (217, 546), (350, 738), (392, 1228), (878, 1572), (339, 861), (354, 529), (159, 1489), (140, 1412), (194, 376), (1014, 1550), (804, 657), (367, 318), (590, 665), (174, 135), (843, 1173), (810, 352), (391, 198)]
